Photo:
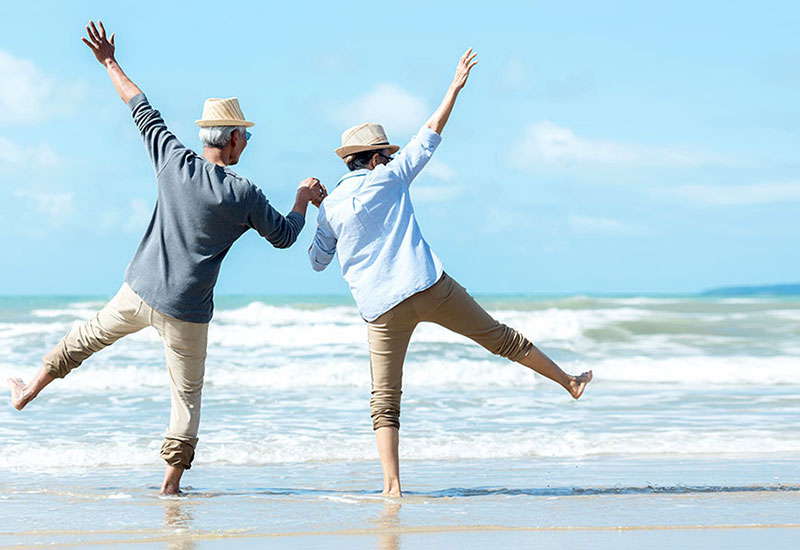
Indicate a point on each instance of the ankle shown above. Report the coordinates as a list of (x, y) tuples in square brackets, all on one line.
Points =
[(391, 487)]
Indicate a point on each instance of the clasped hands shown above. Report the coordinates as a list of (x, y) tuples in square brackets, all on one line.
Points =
[(311, 190)]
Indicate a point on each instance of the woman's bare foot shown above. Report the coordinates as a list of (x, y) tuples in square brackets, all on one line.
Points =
[(19, 394), (396, 493), (578, 383)]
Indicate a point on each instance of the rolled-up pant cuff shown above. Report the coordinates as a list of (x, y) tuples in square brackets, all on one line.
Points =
[(57, 361), (178, 453), (385, 423)]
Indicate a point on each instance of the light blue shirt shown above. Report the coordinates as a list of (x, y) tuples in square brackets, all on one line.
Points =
[(369, 220)]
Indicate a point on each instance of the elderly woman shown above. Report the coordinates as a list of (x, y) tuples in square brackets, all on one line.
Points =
[(396, 279)]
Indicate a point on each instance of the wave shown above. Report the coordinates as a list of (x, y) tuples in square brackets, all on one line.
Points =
[(276, 449), (442, 373)]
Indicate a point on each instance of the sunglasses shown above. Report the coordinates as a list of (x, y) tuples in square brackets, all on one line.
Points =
[(247, 135), (390, 159)]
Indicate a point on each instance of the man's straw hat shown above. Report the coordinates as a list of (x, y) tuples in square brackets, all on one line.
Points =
[(222, 112), (365, 137)]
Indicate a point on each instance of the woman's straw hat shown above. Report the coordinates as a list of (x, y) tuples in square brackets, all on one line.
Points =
[(365, 137), (222, 112)]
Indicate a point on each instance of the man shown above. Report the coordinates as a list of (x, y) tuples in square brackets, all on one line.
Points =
[(202, 208), (396, 279)]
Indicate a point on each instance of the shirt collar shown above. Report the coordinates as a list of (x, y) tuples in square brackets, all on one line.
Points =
[(353, 174)]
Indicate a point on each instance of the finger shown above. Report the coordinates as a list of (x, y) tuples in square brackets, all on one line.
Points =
[(95, 33), (92, 46), (89, 34), (473, 56), (102, 29), (111, 39), (470, 67)]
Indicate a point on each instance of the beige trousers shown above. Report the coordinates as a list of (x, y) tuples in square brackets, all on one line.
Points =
[(446, 303), (185, 347)]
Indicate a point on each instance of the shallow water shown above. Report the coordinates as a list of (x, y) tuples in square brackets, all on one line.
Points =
[(692, 419)]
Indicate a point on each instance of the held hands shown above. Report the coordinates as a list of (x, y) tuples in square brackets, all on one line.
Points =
[(102, 47), (311, 190), (465, 65)]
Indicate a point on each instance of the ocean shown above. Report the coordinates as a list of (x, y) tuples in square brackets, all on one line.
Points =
[(691, 424)]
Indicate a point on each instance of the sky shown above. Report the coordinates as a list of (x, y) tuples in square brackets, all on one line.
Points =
[(616, 147)]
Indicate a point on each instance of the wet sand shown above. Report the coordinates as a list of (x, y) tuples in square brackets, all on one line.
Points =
[(751, 503)]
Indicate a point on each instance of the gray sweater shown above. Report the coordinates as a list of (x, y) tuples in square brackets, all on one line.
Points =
[(200, 211)]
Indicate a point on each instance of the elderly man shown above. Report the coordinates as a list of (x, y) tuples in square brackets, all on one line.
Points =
[(203, 207), (396, 279)]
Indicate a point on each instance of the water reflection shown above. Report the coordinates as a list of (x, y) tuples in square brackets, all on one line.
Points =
[(388, 522), (179, 519)]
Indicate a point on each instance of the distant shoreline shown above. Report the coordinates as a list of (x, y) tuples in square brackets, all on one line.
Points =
[(756, 290)]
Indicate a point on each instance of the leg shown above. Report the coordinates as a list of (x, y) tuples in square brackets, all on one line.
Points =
[(449, 304), (185, 348), (388, 440), (120, 317), (389, 335), (536, 360)]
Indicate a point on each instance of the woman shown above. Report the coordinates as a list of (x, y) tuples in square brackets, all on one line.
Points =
[(396, 279)]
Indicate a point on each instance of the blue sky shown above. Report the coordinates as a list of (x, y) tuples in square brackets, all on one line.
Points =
[(614, 147)]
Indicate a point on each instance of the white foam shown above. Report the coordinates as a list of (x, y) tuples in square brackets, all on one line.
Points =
[(275, 449)]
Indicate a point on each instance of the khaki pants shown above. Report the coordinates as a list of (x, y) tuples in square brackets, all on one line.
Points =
[(446, 303), (185, 347)]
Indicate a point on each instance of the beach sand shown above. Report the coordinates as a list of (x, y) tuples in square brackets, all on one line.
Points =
[(598, 503)]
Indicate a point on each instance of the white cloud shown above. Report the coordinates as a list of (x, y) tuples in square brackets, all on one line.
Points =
[(15, 157), (763, 193), (397, 110), (439, 170), (25, 93), (547, 145), (139, 216), (434, 193), (604, 226), (53, 206)]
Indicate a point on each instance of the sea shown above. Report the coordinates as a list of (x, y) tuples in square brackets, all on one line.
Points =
[(690, 430)]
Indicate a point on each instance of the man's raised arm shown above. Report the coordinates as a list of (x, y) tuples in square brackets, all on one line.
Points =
[(103, 49)]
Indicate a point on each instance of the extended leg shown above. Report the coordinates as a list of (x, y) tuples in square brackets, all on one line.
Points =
[(453, 308), (120, 317)]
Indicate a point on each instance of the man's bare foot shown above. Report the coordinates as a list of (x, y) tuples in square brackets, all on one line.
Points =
[(172, 481), (171, 490), (578, 383), (395, 493), (19, 394)]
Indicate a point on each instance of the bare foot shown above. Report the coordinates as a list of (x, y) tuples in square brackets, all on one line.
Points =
[(19, 396), (396, 493), (170, 490), (578, 383)]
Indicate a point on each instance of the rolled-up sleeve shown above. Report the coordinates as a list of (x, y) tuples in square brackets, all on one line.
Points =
[(324, 246), (414, 156), (160, 143), (281, 231)]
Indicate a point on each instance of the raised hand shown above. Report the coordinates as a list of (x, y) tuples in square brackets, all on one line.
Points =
[(465, 65), (102, 47)]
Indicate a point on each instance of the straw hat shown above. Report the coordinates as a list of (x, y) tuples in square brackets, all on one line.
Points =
[(364, 137), (222, 112)]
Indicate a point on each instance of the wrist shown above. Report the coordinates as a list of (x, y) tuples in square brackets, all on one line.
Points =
[(110, 63)]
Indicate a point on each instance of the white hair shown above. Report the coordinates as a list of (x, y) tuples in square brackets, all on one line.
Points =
[(218, 136)]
